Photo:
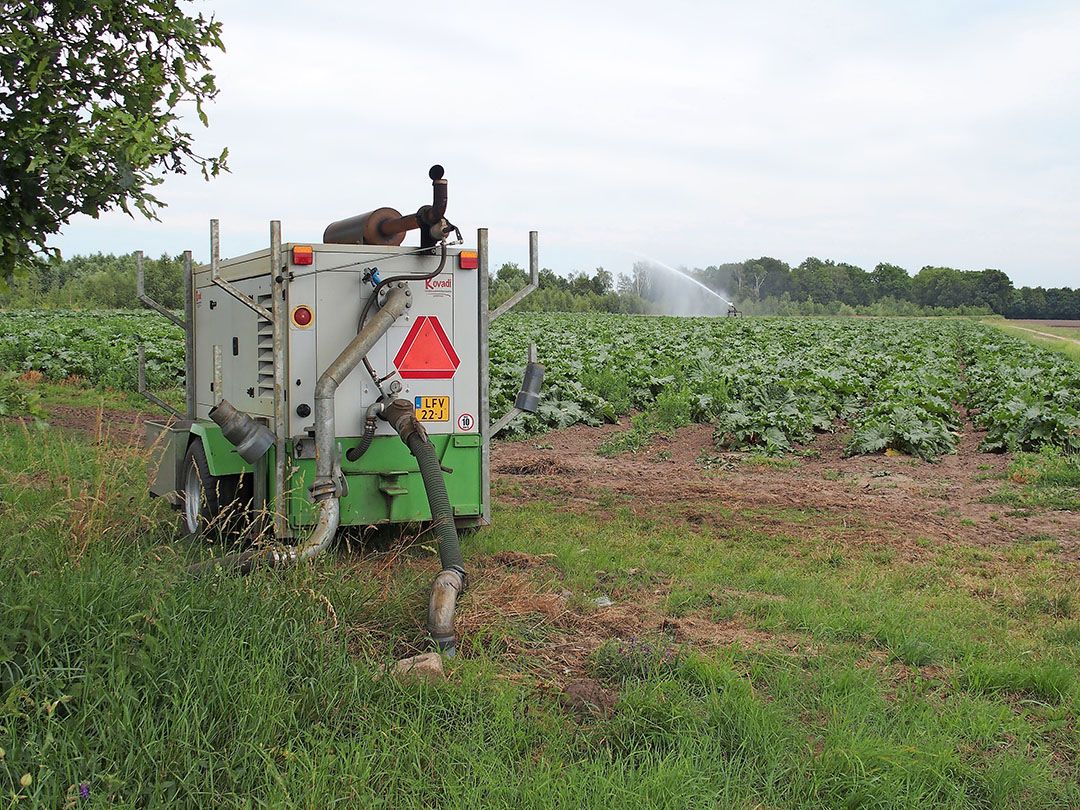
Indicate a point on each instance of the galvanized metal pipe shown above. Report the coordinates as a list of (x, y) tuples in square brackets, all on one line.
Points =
[(442, 605), (485, 370), (189, 335), (326, 457), (250, 438), (534, 258), (278, 311), (324, 489)]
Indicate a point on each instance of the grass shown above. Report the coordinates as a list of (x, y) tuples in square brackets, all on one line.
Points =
[(1046, 480), (854, 676), (670, 411), (1064, 347), (75, 393), (1072, 332)]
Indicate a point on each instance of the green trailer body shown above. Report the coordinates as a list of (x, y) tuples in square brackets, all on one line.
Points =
[(383, 486)]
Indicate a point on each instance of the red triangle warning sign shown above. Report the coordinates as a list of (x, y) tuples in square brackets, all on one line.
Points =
[(427, 353)]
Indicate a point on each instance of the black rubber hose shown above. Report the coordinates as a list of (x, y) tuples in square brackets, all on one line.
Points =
[(355, 453), (442, 514), (374, 297)]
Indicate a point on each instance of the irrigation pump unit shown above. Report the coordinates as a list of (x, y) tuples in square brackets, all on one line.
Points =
[(333, 385)]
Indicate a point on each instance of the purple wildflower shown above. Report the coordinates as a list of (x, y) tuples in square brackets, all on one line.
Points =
[(84, 790)]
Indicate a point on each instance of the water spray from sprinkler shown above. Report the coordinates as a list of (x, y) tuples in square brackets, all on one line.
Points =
[(689, 278)]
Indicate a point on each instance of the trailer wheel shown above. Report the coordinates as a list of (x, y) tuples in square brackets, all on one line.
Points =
[(210, 505)]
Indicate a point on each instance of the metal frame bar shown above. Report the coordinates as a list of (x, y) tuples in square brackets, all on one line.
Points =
[(184, 323), (279, 312), (514, 412), (146, 300), (215, 276), (189, 336), (505, 420), (534, 279), (485, 372), (146, 392), (533, 285), (218, 379)]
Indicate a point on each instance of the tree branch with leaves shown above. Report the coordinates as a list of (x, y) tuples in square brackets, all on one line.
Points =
[(91, 95)]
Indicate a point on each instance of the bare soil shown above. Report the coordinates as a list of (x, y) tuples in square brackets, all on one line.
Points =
[(880, 499), (877, 499), (119, 427)]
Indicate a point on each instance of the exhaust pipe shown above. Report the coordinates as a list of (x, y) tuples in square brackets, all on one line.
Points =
[(451, 581), (386, 226), (327, 488)]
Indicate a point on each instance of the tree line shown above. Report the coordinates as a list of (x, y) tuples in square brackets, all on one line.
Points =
[(763, 286), (768, 286), (766, 280), (98, 281)]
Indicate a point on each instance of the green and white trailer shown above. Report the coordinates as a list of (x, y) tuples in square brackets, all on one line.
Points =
[(337, 384)]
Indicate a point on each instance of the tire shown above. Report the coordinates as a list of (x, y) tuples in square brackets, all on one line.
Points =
[(211, 506)]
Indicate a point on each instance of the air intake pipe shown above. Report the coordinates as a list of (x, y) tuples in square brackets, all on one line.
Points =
[(326, 490), (451, 581)]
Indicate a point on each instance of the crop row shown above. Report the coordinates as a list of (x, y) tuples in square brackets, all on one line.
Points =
[(765, 383), (773, 383)]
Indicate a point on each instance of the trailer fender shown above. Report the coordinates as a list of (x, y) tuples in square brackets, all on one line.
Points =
[(221, 456)]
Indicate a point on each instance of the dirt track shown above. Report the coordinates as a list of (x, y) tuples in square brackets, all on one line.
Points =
[(1066, 324), (1049, 334)]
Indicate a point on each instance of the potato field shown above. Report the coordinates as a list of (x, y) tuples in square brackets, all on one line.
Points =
[(768, 384)]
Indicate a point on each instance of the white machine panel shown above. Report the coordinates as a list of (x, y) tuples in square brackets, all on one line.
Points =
[(333, 287), (222, 321), (336, 291)]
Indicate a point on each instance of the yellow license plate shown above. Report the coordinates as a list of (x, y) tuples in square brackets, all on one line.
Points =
[(433, 409)]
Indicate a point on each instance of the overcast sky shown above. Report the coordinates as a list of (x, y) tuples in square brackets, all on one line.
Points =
[(917, 133)]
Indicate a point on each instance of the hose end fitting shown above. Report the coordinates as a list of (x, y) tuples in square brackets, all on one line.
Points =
[(323, 488), (446, 588), (401, 415)]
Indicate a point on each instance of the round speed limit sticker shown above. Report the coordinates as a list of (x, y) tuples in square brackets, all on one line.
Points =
[(466, 422)]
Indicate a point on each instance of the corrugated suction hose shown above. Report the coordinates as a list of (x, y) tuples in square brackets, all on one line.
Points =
[(452, 580), (441, 512)]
